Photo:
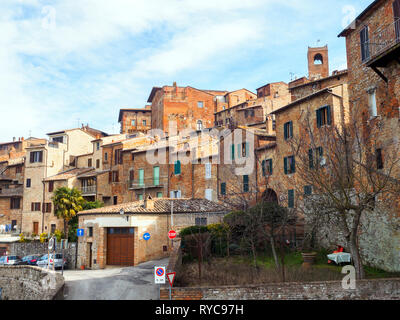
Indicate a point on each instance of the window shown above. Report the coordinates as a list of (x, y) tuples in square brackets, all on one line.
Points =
[(307, 190), (36, 156), (232, 152), (364, 39), (141, 177), (223, 188), (89, 163), (97, 163), (201, 221), (372, 103), (118, 156), (252, 113), (144, 123), (47, 207), (208, 194), (18, 169), (176, 194), (131, 175), (114, 176), (159, 194), (379, 159), (246, 113), (274, 125), (245, 183), (51, 186), (243, 150), (199, 125), (266, 167), (28, 183), (288, 130), (35, 206), (133, 123), (53, 228), (156, 176), (140, 196), (200, 104), (90, 231), (324, 116), (97, 146), (291, 198), (318, 154), (289, 165), (207, 167), (105, 156), (115, 200), (177, 167), (15, 203), (58, 139)]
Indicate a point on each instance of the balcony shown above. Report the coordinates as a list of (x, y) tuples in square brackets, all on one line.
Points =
[(12, 192), (89, 190), (383, 46), (135, 185)]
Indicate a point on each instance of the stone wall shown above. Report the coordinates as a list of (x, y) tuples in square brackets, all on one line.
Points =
[(24, 249), (382, 289), (30, 283)]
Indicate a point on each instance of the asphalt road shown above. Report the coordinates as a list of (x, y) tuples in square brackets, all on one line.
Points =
[(113, 283)]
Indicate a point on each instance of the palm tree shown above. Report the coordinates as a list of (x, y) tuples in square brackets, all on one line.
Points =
[(67, 203)]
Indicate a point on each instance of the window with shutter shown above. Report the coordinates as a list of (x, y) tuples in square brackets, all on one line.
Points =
[(311, 159), (232, 152), (156, 176), (208, 170), (379, 159), (263, 167), (141, 177), (177, 167), (223, 188), (291, 198), (245, 183), (285, 165), (307, 190), (364, 39)]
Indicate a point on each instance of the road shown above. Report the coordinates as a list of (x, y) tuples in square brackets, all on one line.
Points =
[(113, 283)]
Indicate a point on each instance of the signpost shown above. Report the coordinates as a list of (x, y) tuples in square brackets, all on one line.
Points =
[(171, 278), (80, 232), (159, 275), (146, 236)]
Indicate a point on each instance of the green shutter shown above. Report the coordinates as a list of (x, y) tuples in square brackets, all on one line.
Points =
[(328, 115), (141, 177), (307, 190), (285, 165), (156, 176), (290, 129), (291, 198), (159, 194), (293, 165), (245, 183), (319, 118), (223, 188), (232, 152), (311, 158), (247, 149), (177, 168), (263, 168), (285, 131), (239, 151), (270, 166)]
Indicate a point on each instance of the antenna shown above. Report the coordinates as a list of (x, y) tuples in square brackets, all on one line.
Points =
[(291, 75)]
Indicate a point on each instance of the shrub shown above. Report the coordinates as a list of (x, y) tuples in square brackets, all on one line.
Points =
[(59, 235), (43, 237)]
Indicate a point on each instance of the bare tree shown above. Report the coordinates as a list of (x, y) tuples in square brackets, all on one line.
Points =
[(349, 177)]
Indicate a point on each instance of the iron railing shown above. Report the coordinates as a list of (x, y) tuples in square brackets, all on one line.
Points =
[(89, 189), (381, 40)]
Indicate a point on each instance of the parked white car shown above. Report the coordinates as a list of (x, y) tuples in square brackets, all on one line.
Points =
[(56, 259), (10, 260)]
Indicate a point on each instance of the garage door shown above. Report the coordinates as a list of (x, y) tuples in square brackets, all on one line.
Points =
[(120, 246)]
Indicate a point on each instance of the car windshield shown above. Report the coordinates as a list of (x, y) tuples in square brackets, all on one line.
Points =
[(12, 258), (58, 256)]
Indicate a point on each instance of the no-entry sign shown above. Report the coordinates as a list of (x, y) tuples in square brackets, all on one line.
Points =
[(172, 234)]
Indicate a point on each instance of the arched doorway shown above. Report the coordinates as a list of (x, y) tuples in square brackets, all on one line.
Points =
[(270, 195)]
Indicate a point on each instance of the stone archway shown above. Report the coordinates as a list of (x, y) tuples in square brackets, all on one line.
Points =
[(270, 195)]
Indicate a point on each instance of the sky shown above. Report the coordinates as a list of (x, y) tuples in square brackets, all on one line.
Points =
[(66, 63)]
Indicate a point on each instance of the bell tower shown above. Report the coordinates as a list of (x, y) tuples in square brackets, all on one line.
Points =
[(318, 63)]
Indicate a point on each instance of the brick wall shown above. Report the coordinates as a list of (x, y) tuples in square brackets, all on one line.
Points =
[(382, 289)]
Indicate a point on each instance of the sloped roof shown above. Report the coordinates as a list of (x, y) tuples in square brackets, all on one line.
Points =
[(162, 205), (68, 174)]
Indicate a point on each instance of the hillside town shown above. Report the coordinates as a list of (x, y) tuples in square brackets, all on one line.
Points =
[(198, 154)]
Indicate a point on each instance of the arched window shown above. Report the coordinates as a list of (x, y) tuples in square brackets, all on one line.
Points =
[(199, 125), (318, 59)]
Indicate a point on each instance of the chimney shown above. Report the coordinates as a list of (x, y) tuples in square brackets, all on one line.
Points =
[(149, 203), (13, 139)]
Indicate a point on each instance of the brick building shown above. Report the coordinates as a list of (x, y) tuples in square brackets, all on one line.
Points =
[(373, 51), (135, 120), (114, 235)]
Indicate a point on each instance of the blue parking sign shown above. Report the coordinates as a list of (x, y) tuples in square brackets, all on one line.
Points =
[(80, 232)]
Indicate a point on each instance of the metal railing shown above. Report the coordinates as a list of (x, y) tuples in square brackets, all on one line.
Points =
[(381, 40), (137, 185), (12, 191), (89, 189)]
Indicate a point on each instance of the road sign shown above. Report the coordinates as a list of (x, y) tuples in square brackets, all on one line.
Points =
[(159, 275), (80, 232), (146, 236), (172, 234), (171, 278), (51, 244)]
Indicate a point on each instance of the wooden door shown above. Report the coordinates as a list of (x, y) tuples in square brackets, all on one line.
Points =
[(36, 227), (120, 246)]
